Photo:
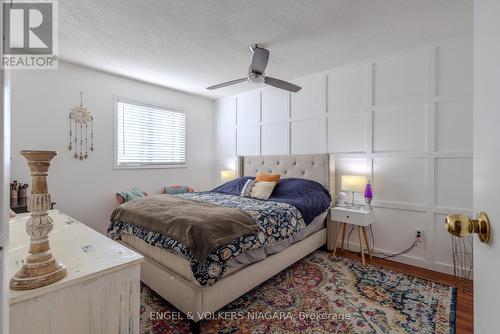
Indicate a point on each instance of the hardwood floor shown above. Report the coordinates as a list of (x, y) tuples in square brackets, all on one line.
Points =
[(465, 314)]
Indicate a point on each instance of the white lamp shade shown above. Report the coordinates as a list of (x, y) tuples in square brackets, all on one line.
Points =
[(227, 175), (353, 183)]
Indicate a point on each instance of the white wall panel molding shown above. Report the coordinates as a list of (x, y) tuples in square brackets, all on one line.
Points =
[(226, 112), (453, 79), (381, 155), (399, 206), (275, 106), (348, 88), (310, 101), (352, 126), (275, 138), (452, 154), (404, 120), (430, 148), (400, 180), (401, 78), (408, 125), (308, 136), (348, 110), (449, 211), (248, 140), (453, 122), (248, 108), (225, 143), (453, 183)]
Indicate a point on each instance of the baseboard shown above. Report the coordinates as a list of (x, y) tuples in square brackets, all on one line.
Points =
[(409, 259)]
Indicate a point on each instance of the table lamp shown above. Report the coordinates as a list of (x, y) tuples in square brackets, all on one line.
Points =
[(227, 175), (353, 184)]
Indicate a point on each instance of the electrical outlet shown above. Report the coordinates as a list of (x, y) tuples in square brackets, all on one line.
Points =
[(420, 237)]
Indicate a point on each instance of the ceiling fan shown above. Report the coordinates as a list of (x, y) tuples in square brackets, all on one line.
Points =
[(256, 72)]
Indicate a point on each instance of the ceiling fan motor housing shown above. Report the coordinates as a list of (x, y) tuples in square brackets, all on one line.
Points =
[(255, 78)]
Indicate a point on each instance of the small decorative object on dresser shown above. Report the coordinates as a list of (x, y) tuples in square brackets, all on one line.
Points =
[(358, 217), (40, 267), (18, 197), (100, 294)]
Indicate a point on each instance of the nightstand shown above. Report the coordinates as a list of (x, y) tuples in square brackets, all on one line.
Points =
[(360, 218)]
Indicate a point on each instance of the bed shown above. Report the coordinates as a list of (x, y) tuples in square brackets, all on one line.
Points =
[(172, 276)]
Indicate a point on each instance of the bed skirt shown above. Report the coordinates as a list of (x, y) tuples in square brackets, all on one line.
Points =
[(195, 300)]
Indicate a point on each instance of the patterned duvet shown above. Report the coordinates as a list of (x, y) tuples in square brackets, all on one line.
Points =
[(277, 221)]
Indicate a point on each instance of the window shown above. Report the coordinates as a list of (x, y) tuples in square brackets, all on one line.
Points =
[(149, 136)]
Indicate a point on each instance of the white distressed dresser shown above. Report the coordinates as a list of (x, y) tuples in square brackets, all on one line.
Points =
[(101, 293)]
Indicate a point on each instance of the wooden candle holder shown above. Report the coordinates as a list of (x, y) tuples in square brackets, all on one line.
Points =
[(40, 267)]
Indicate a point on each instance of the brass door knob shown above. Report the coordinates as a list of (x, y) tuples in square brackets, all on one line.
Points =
[(462, 226)]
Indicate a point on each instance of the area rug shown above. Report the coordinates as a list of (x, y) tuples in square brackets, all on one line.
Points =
[(321, 294)]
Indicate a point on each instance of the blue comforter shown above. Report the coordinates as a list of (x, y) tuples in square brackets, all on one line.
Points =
[(309, 197), (293, 204), (277, 221)]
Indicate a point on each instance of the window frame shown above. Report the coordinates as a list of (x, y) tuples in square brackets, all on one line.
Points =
[(117, 166)]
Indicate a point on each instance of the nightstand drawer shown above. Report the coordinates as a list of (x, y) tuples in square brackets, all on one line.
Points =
[(348, 217)]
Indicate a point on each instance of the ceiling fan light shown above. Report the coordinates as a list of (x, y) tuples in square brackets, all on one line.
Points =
[(256, 79)]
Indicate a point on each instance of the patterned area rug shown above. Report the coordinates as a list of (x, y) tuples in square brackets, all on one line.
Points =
[(321, 294)]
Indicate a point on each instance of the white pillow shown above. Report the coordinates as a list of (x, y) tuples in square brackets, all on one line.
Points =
[(263, 189)]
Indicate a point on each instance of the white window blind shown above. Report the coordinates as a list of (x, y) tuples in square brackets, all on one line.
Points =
[(149, 135)]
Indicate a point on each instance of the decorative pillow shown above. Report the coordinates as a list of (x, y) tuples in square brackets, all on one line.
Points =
[(126, 196), (247, 188), (263, 190), (233, 187), (267, 177), (172, 190)]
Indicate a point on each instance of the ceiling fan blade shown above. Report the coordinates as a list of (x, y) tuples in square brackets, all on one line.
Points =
[(259, 60), (282, 84), (229, 83)]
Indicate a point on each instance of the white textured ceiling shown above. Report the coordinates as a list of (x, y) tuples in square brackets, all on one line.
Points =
[(191, 44)]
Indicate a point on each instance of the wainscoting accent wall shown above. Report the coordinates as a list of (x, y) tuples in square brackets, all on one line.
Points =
[(404, 120)]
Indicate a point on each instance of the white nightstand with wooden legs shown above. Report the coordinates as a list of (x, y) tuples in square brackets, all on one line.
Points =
[(361, 218)]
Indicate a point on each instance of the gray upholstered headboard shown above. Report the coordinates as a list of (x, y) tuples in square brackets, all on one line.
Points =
[(316, 167)]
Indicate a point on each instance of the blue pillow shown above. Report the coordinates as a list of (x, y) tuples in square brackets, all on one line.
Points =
[(174, 190), (130, 195), (309, 197), (296, 186)]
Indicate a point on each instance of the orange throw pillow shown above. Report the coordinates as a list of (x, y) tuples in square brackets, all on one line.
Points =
[(265, 177)]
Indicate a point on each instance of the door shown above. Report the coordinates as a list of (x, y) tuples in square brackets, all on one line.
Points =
[(487, 162), (4, 198)]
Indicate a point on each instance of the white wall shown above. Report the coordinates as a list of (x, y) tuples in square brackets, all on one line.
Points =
[(403, 119), (486, 160), (41, 101)]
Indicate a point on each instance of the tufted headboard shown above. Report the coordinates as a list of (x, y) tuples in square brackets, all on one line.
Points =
[(316, 167)]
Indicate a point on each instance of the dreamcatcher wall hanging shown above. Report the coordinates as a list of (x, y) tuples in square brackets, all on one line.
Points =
[(81, 124)]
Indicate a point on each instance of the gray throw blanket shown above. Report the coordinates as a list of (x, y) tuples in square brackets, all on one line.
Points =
[(197, 225)]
